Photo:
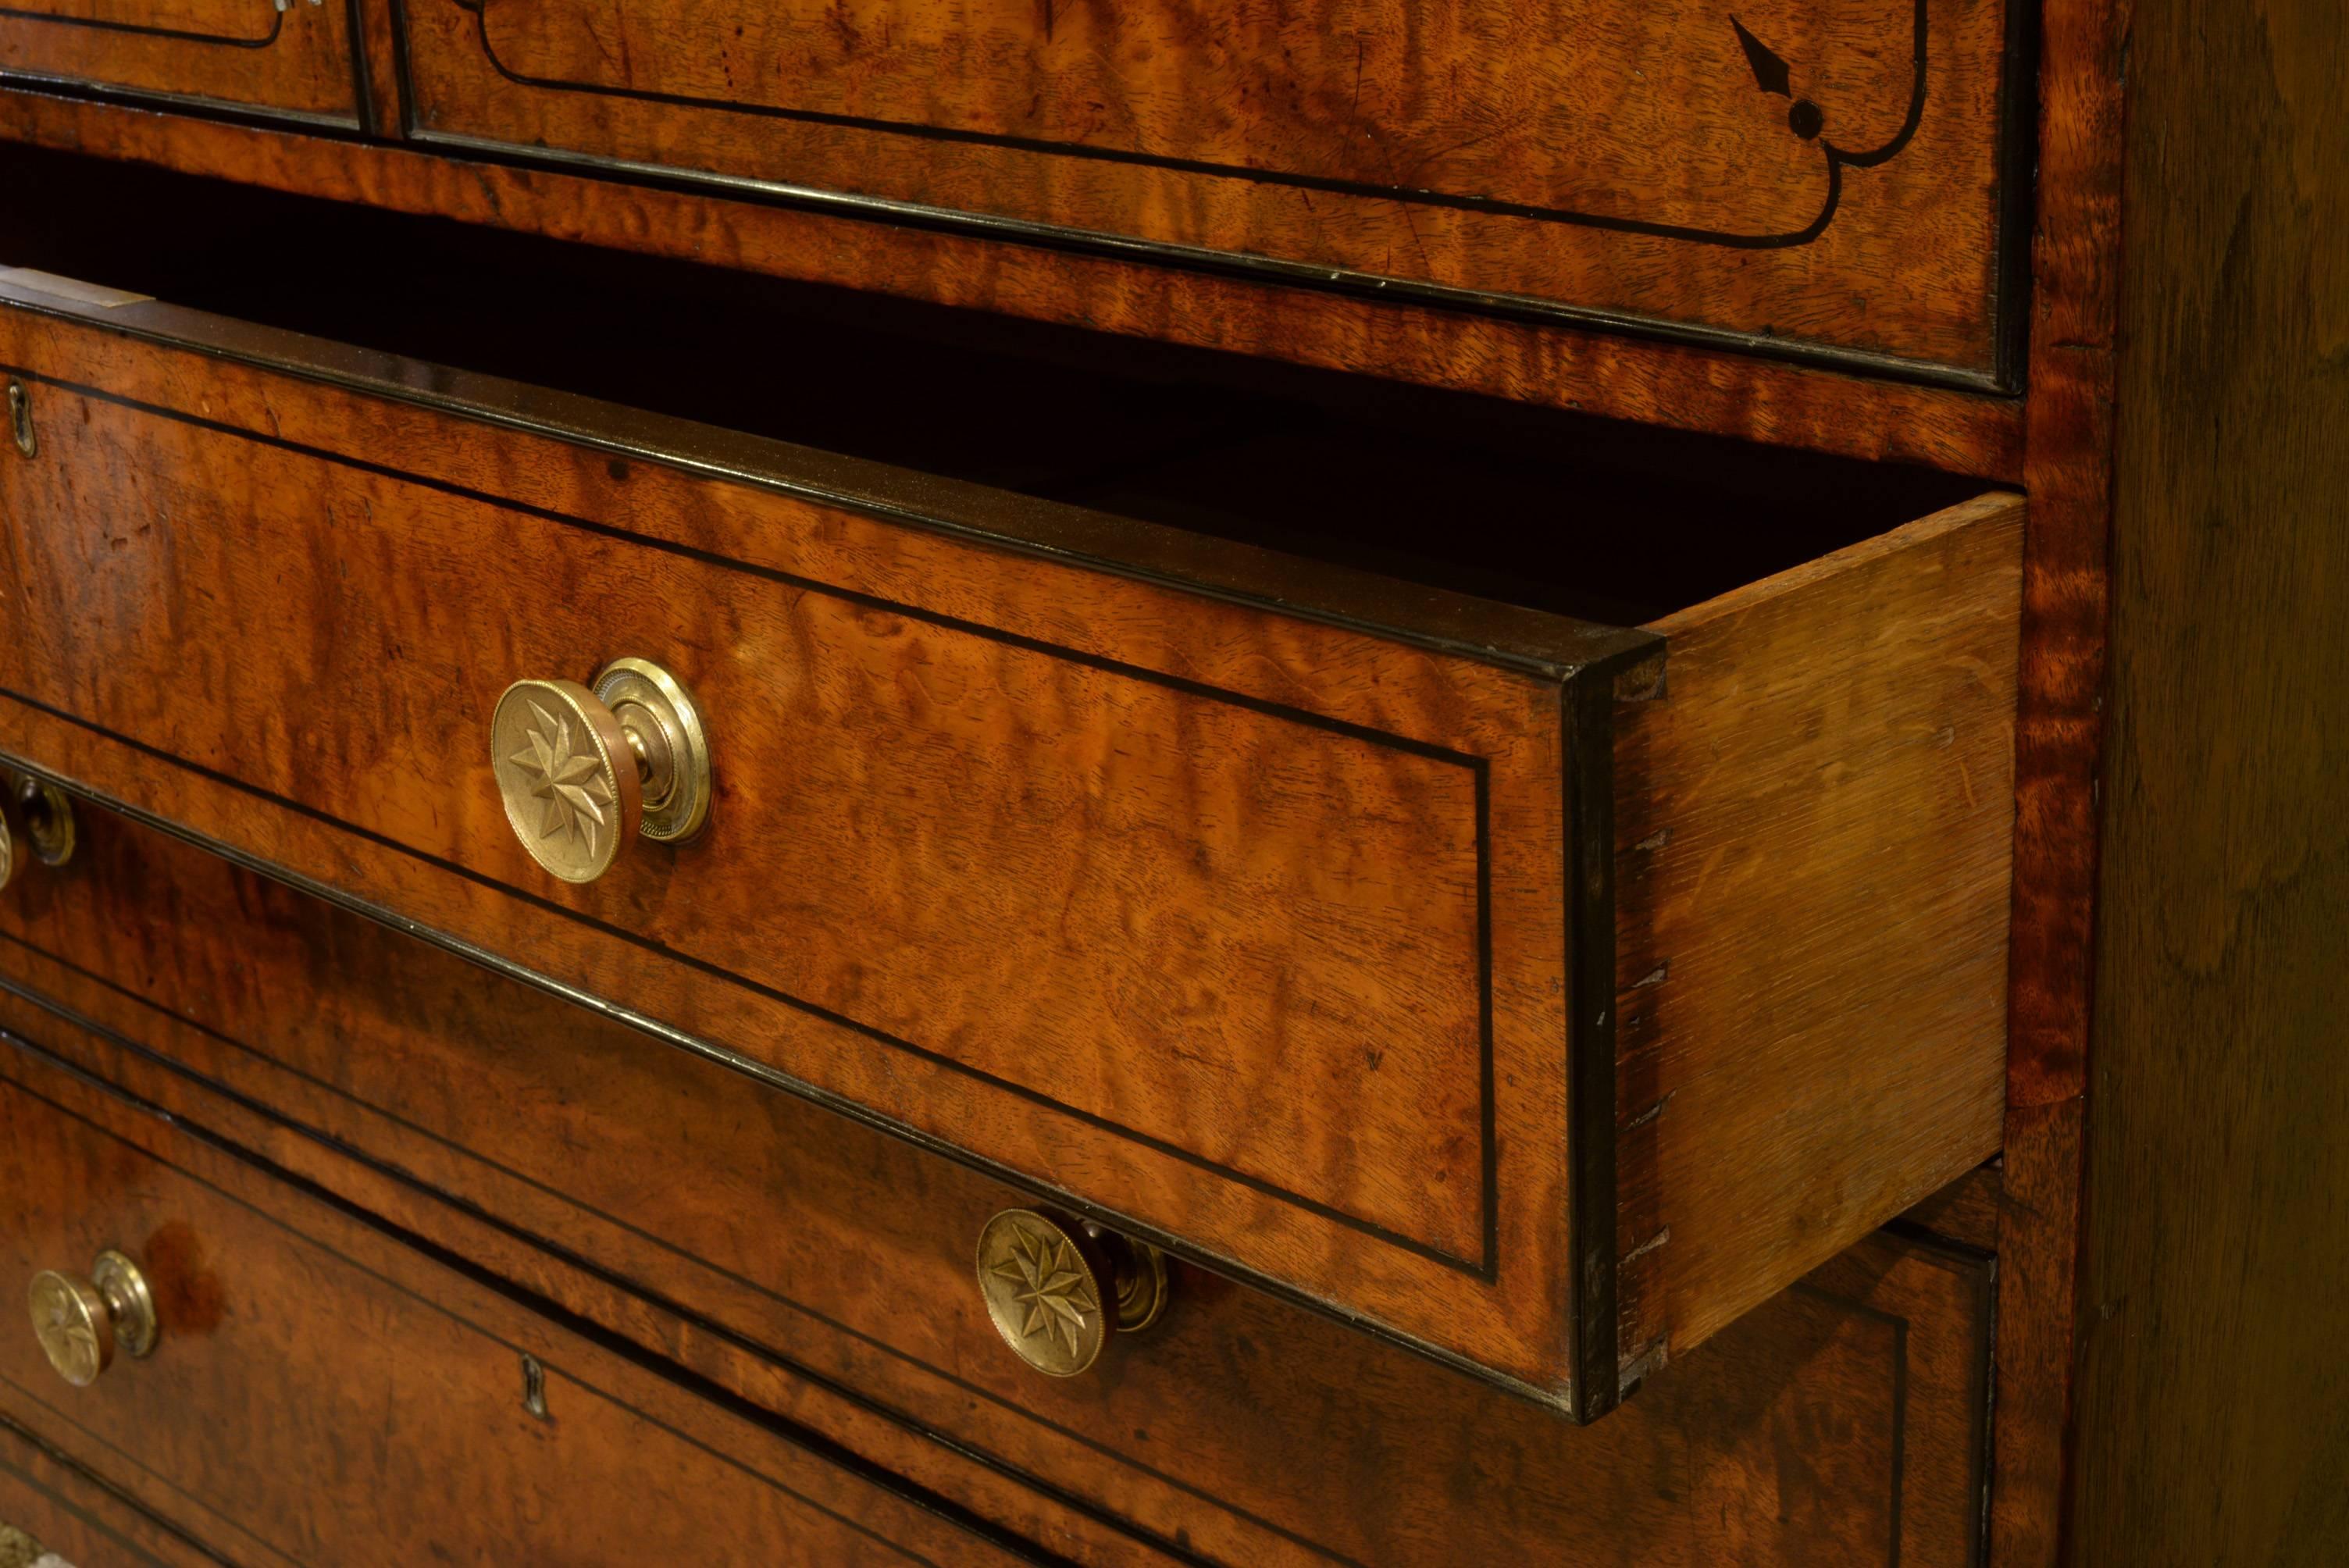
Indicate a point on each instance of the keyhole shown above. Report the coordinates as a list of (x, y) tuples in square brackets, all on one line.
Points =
[(20, 418)]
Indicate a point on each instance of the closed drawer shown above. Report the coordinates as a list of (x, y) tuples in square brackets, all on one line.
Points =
[(293, 58), (1843, 1421), (318, 1393), (1263, 910), (1743, 178)]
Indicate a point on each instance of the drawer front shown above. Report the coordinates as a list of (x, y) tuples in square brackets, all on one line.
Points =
[(1744, 177), (294, 58), (1243, 927), (1841, 1421), (318, 1394)]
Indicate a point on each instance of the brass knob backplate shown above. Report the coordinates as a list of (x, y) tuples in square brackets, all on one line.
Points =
[(48, 814), (1058, 1289), (81, 1322), (584, 770)]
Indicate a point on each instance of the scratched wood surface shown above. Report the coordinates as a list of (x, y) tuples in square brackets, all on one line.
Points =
[(251, 54), (376, 1399), (1752, 173), (1249, 1431)]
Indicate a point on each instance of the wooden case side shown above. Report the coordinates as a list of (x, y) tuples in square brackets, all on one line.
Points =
[(2204, 1317), (1814, 824)]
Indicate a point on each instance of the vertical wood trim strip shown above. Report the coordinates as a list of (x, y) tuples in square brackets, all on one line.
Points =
[(2068, 469)]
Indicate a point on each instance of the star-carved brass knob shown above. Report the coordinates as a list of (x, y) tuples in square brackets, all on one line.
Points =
[(1059, 1290), (584, 770), (80, 1322)]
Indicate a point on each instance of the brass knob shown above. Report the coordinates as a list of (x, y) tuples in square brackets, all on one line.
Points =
[(585, 770), (80, 1322), (48, 817), (1059, 1290)]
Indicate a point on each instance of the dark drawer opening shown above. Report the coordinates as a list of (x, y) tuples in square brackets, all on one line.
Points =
[(1596, 519)]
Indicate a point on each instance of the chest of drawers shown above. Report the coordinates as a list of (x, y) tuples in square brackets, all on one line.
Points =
[(1314, 785)]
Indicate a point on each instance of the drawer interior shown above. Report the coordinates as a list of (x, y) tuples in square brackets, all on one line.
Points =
[(1599, 520)]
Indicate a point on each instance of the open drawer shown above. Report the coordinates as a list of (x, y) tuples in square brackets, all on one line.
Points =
[(1537, 992)]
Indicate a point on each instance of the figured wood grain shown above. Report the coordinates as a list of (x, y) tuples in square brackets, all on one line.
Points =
[(249, 53), (1814, 838), (1552, 366), (1632, 159), (379, 1396), (2213, 1384), (1249, 1429)]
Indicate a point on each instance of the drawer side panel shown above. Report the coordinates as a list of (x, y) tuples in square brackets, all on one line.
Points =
[(1814, 843)]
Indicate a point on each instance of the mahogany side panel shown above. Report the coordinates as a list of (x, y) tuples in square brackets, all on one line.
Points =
[(1659, 162), (1250, 1429), (1832, 744), (354, 1372), (1557, 367), (294, 58), (2212, 1349)]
